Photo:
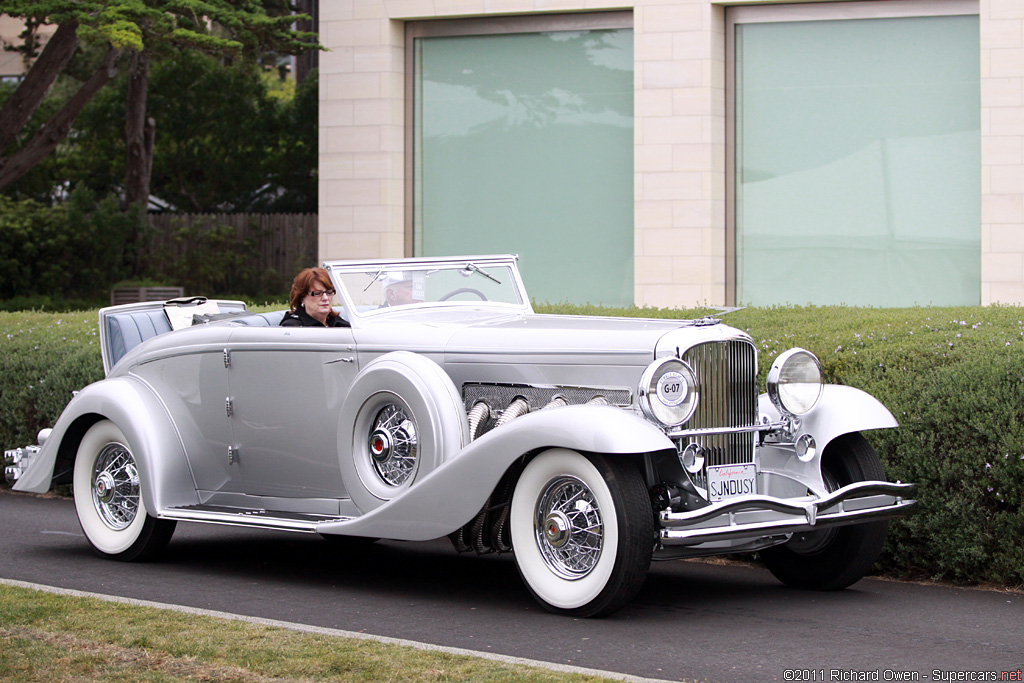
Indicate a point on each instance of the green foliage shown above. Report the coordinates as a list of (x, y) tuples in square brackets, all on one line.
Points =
[(224, 141), (45, 357), (76, 249), (244, 32), (38, 183), (291, 165), (218, 26)]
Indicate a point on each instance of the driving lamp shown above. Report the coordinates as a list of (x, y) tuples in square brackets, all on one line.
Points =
[(795, 382), (668, 392)]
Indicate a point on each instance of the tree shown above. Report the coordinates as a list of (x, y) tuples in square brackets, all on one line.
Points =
[(144, 29), (226, 140), (26, 99)]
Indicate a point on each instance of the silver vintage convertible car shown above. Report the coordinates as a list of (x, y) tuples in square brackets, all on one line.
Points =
[(586, 446)]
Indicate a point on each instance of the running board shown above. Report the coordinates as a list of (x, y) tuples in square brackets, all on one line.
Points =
[(259, 519)]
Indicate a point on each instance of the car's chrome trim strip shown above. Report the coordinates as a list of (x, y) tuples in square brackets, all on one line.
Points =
[(262, 519), (766, 427)]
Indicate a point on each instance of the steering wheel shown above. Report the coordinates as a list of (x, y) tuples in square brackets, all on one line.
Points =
[(463, 290)]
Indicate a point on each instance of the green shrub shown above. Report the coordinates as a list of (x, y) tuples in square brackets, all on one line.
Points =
[(45, 357), (75, 249)]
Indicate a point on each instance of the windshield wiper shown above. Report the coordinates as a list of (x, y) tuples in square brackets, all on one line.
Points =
[(373, 278), (471, 268)]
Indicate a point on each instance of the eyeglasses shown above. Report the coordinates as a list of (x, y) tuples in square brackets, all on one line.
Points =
[(317, 293)]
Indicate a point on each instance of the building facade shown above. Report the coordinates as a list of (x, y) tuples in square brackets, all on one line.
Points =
[(684, 152), (12, 62)]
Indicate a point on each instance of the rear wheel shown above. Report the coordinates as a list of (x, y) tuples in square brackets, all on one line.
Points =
[(835, 558), (582, 531), (108, 498)]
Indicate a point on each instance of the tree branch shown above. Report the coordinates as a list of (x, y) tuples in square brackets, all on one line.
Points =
[(57, 128), (18, 109), (138, 136)]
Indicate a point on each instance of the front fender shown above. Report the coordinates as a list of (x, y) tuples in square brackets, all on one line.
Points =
[(841, 410), (453, 493), (128, 402)]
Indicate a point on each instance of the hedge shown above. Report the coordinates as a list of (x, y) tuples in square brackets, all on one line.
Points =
[(75, 249), (953, 377)]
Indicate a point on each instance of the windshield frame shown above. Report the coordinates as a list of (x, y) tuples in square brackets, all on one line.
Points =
[(337, 269)]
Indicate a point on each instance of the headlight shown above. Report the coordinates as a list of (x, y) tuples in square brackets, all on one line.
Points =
[(795, 381), (668, 392)]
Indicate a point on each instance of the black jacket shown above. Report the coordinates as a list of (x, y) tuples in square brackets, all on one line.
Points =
[(299, 318)]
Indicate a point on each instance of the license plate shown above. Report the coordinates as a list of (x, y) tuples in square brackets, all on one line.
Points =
[(729, 481)]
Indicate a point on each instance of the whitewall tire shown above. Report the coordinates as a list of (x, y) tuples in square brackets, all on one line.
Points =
[(582, 532), (108, 498)]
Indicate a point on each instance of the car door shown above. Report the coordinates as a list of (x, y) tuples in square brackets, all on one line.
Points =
[(194, 387), (286, 388)]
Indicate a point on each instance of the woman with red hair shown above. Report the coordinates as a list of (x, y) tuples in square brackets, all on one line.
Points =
[(310, 301)]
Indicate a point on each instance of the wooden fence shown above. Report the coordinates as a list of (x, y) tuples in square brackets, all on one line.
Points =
[(274, 243)]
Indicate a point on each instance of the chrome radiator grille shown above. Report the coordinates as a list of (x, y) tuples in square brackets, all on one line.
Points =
[(727, 379)]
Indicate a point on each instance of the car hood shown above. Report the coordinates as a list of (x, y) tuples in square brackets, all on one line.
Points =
[(534, 338)]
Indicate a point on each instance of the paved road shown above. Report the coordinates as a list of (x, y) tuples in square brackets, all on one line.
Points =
[(727, 624)]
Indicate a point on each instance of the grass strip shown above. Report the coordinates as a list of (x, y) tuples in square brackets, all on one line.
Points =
[(51, 637)]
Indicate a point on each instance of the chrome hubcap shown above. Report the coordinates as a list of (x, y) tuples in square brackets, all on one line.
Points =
[(104, 488), (568, 528), (115, 486), (557, 529), (380, 446), (393, 445)]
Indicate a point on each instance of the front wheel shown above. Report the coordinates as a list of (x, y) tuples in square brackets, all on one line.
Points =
[(582, 532), (108, 498), (833, 559)]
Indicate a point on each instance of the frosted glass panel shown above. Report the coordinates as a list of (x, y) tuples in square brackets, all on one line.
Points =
[(523, 144), (858, 162)]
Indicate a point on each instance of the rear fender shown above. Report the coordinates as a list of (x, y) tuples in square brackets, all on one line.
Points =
[(129, 403), (452, 494)]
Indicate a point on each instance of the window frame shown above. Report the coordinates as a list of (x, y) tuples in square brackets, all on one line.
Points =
[(816, 11), (479, 26)]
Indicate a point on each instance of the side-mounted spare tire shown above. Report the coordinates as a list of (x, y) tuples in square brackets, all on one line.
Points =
[(402, 418)]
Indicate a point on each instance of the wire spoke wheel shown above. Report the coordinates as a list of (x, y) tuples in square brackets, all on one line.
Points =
[(582, 531), (108, 498), (569, 532), (393, 444), (115, 486), (401, 419)]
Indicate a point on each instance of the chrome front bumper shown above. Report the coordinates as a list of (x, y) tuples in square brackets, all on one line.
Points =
[(752, 517), (16, 461)]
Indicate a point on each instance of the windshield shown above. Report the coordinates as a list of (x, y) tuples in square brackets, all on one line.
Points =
[(375, 286)]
